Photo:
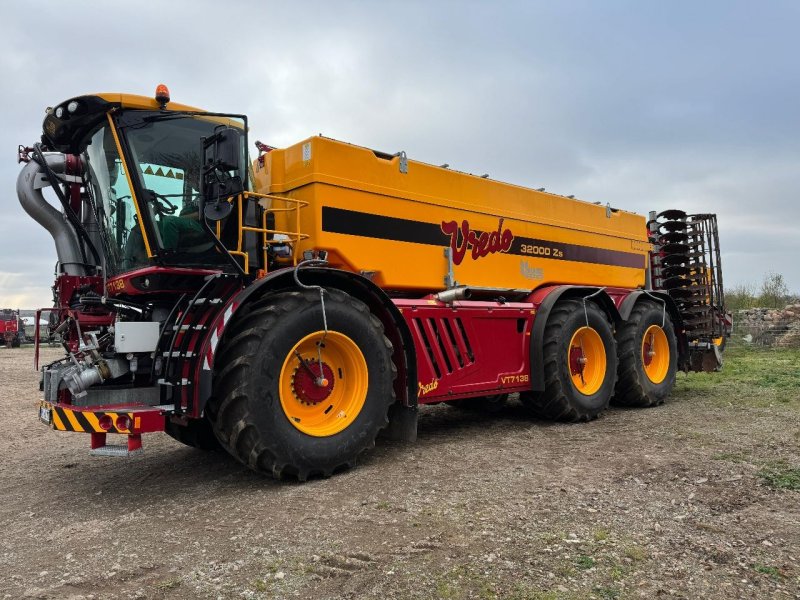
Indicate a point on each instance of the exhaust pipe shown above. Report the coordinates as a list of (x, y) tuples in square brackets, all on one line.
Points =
[(29, 192)]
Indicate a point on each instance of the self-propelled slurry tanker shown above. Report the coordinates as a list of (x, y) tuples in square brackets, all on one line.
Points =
[(292, 308)]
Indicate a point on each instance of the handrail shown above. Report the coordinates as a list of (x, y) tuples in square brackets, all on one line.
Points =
[(294, 237)]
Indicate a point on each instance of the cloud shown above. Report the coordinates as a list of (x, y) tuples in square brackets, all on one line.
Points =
[(644, 105)]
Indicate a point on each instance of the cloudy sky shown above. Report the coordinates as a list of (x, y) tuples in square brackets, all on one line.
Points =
[(644, 104)]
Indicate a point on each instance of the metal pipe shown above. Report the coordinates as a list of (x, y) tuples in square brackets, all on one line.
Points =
[(29, 192), (454, 294)]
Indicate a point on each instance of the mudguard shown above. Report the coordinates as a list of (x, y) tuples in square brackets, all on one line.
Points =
[(357, 286), (544, 299)]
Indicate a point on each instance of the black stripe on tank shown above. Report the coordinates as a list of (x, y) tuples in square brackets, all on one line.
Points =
[(350, 222)]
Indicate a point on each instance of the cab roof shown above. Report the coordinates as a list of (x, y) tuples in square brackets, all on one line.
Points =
[(67, 132)]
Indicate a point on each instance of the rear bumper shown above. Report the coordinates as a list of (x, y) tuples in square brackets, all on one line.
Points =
[(88, 419)]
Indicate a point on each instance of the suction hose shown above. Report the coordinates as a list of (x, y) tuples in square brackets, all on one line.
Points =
[(29, 191)]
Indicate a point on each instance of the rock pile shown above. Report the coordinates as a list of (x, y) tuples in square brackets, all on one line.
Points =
[(769, 326)]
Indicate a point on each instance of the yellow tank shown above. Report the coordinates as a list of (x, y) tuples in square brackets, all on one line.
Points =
[(396, 219)]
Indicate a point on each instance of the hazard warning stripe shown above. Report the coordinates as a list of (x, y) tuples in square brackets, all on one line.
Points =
[(82, 421), (64, 419), (57, 422), (69, 419), (94, 421)]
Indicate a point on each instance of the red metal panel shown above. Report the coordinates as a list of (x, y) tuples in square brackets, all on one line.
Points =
[(435, 347), (496, 335), (618, 295), (450, 350), (182, 280), (425, 370)]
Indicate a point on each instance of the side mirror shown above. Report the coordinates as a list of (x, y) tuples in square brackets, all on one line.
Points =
[(216, 211), (223, 149), (222, 171)]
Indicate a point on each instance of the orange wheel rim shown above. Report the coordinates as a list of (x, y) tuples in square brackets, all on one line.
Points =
[(655, 354), (587, 361), (323, 398)]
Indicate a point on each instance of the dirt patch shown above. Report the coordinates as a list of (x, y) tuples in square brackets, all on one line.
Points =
[(671, 502)]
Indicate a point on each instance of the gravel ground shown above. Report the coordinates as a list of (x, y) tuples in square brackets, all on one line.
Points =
[(676, 501)]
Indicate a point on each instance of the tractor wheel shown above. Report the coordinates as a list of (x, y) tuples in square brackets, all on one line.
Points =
[(580, 364), (290, 399), (490, 405), (648, 357), (197, 434)]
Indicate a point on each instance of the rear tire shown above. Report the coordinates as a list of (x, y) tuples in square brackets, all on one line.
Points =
[(640, 384), (565, 336), (271, 413)]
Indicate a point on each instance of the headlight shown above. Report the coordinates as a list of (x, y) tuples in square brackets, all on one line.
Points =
[(60, 112), (73, 106)]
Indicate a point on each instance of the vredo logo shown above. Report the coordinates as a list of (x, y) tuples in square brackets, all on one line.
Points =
[(427, 388), (464, 238)]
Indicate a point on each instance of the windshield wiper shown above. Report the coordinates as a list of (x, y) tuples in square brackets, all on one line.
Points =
[(167, 117)]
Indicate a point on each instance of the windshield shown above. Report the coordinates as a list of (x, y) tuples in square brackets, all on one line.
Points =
[(165, 152), (113, 203)]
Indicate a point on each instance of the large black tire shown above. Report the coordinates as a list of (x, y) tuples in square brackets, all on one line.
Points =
[(246, 411), (561, 400), (634, 387), (197, 434)]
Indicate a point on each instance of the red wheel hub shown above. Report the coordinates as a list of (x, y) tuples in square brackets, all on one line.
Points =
[(647, 353), (306, 382), (577, 361)]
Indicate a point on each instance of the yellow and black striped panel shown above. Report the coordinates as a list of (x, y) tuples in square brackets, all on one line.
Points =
[(64, 419)]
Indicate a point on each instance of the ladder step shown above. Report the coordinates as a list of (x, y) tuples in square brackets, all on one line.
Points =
[(183, 381), (201, 301), (112, 450)]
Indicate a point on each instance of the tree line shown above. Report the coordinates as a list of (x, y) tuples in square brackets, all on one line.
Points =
[(772, 292)]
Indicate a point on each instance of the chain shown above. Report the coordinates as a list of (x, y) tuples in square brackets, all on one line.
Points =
[(320, 343)]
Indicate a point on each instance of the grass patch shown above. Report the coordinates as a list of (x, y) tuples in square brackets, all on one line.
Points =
[(750, 377), (781, 476), (767, 570), (523, 592), (169, 584), (734, 457), (607, 593), (617, 573), (565, 571), (635, 553), (165, 589), (584, 562), (464, 582), (600, 535)]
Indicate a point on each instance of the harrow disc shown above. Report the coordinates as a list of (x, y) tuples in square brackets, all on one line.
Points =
[(675, 249), (673, 271), (673, 226), (672, 214), (677, 237)]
